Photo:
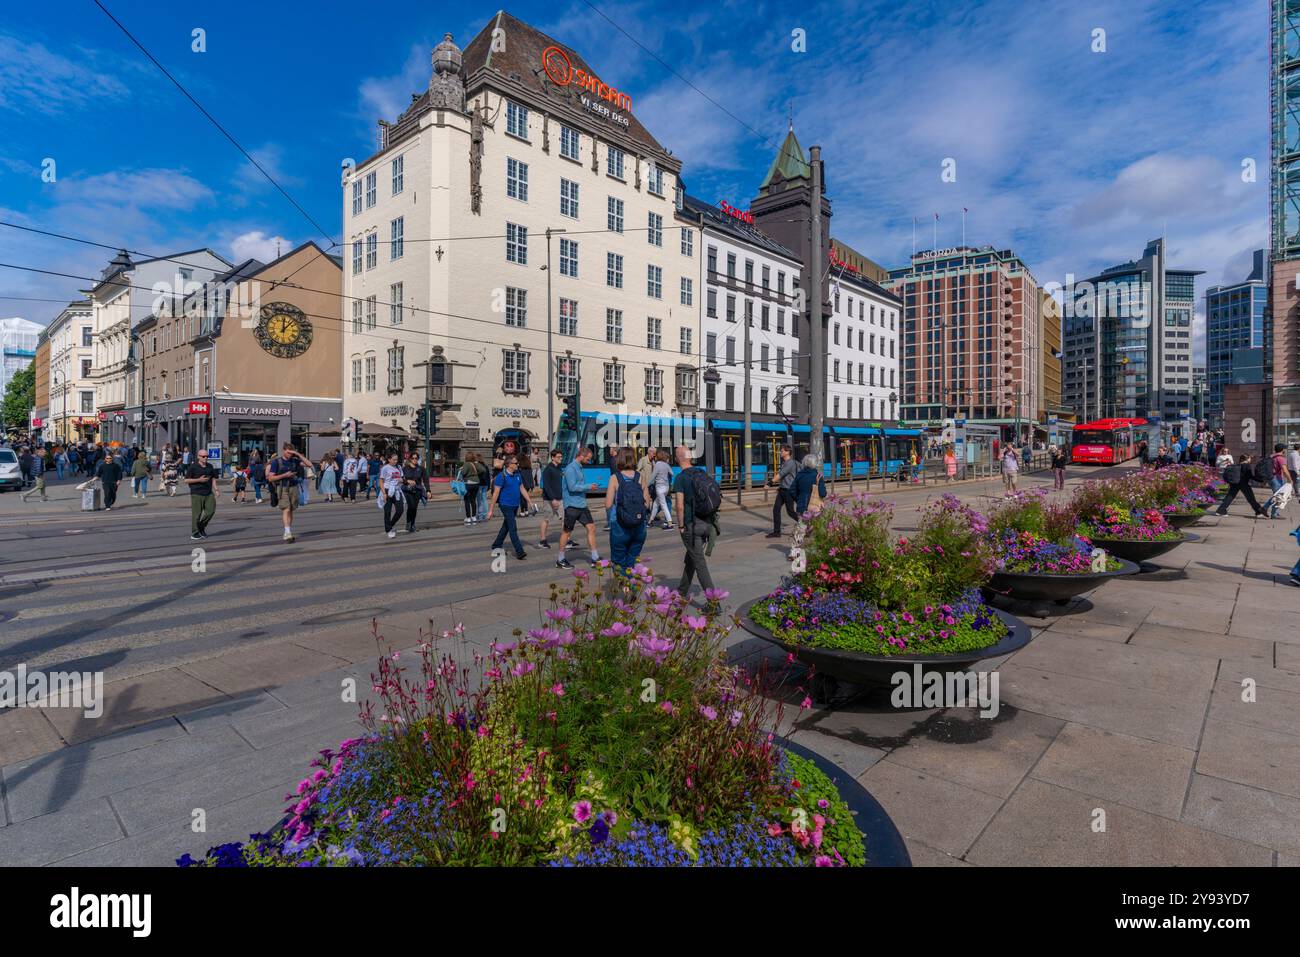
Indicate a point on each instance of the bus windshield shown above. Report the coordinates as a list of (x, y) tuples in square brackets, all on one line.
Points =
[(1091, 437)]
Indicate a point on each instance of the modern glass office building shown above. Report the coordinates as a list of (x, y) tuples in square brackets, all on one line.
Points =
[(1235, 318)]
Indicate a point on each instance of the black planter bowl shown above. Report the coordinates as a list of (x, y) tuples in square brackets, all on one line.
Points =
[(1142, 552), (1026, 586), (1183, 519), (839, 664), (885, 846)]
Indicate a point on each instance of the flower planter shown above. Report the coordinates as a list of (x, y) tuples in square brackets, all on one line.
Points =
[(1141, 551), (838, 664), (885, 846), (1029, 586)]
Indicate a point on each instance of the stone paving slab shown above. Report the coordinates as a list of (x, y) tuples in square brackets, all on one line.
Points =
[(1251, 756), (1130, 665), (51, 837), (260, 667), (1202, 644), (134, 701), (1246, 813), (942, 814), (1272, 709), (1047, 825), (25, 733)]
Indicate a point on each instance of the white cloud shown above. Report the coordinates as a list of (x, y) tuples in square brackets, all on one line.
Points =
[(33, 77), (256, 244), (158, 189)]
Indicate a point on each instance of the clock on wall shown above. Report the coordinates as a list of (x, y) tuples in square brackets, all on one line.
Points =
[(283, 330)]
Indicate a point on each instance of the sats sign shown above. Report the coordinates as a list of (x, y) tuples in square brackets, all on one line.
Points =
[(562, 72)]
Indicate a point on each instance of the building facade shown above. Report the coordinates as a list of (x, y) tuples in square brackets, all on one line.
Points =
[(250, 360), (72, 388), (514, 239), (972, 342), (1128, 350), (1236, 317), (18, 342), (1050, 331), (127, 293)]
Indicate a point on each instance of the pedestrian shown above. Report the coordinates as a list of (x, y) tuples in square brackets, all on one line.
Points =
[(25, 465), (241, 486), (661, 480), (613, 458), (529, 478), (1058, 466), (109, 473), (785, 478), (329, 478), (257, 475), (1144, 453), (61, 463), (645, 467), (1237, 475), (1010, 468), (690, 491), (285, 475), (509, 493), (305, 480), (804, 481), (363, 473), (37, 472), (576, 512), (415, 488), (391, 499), (629, 502), (950, 463), (468, 475), (485, 477), (350, 473), (200, 478), (1279, 476), (140, 476), (376, 466), (1293, 463), (552, 494)]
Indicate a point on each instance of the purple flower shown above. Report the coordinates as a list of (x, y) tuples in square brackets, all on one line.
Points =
[(710, 713), (582, 812), (617, 630)]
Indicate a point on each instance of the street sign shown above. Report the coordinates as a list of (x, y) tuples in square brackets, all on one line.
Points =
[(151, 415), (214, 453)]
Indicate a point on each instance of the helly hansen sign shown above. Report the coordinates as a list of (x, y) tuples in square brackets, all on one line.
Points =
[(198, 408), (253, 409)]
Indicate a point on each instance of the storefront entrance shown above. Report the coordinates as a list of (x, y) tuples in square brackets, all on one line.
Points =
[(248, 437)]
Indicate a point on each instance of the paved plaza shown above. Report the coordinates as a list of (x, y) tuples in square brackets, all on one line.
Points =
[(222, 684)]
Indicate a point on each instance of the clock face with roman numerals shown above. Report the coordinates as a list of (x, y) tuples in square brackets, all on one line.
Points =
[(283, 330)]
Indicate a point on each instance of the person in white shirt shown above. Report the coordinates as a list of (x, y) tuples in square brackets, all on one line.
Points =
[(391, 498), (351, 473)]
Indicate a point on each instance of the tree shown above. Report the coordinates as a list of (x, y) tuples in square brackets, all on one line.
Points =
[(19, 399)]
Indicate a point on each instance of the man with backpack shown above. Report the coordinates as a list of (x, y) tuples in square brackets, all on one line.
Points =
[(576, 511), (285, 473), (698, 499), (1238, 478), (784, 491)]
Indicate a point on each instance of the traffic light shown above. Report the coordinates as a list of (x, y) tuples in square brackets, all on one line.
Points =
[(435, 414), (422, 420), (569, 414)]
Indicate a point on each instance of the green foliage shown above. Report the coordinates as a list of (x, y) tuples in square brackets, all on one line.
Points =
[(841, 833), (19, 399)]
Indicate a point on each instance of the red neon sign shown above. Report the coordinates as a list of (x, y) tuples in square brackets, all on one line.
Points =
[(558, 67), (836, 261), (743, 215)]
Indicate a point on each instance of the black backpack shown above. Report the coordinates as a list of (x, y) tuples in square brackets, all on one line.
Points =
[(1232, 474), (706, 497), (1263, 473), (629, 502)]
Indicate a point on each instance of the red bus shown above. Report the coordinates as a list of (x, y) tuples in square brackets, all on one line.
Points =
[(1106, 441)]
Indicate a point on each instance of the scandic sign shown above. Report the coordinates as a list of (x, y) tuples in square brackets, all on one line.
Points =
[(743, 215), (558, 67)]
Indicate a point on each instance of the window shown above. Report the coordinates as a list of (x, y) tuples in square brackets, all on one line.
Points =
[(614, 325), (836, 413), (372, 189), (763, 361), (569, 258), (356, 375), (654, 333), (87, 402), (570, 142), (568, 317), (516, 307), (780, 320), (837, 333), (356, 197), (395, 304), (372, 311), (614, 163), (688, 292), (654, 386), (87, 336), (356, 316), (655, 232), (614, 270), (749, 313), (399, 177), (655, 180), (654, 282), (687, 342), (731, 265), (613, 382), (614, 215), (837, 370), (568, 198), (710, 395), (711, 348), (731, 396), (517, 244), (711, 302), (767, 277), (780, 282), (766, 321), (731, 309), (762, 401), (686, 386), (517, 120), (566, 375), (372, 250), (731, 350), (371, 374), (517, 180), (85, 368), (749, 272), (397, 246), (356, 259), (514, 377), (780, 360), (396, 368), (688, 242), (713, 259)]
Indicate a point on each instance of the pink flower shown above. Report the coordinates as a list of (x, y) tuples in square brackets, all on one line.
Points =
[(617, 630), (734, 718), (654, 647), (697, 624), (667, 707), (581, 574), (559, 614), (523, 668), (805, 703), (775, 829), (710, 713), (823, 861), (582, 812), (716, 594), (557, 689)]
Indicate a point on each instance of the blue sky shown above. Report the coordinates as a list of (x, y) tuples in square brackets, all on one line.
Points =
[(1072, 158)]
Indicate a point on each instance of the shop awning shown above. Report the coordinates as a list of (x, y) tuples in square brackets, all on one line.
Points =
[(373, 429)]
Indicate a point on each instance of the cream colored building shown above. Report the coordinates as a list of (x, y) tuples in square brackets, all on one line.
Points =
[(447, 248), (72, 390)]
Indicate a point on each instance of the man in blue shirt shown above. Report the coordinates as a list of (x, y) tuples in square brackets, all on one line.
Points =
[(508, 491), (575, 506)]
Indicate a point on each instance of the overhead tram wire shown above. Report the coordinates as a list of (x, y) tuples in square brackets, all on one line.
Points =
[(342, 296), (400, 333), (213, 120)]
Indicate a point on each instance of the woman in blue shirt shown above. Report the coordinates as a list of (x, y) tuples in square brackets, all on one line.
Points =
[(508, 491)]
